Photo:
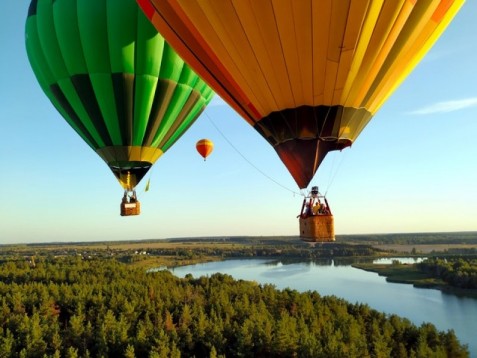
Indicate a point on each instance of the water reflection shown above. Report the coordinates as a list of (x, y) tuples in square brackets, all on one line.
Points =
[(339, 278), (401, 260), (282, 270)]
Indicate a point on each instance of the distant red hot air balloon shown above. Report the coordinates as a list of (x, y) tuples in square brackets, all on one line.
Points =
[(204, 147)]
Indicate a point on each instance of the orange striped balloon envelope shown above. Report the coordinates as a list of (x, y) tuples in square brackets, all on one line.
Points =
[(204, 147), (308, 75)]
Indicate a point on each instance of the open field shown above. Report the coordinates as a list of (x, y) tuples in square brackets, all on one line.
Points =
[(424, 248), (124, 246), (200, 249), (199, 244), (187, 251)]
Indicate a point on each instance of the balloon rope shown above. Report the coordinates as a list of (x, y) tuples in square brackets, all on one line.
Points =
[(248, 161), (333, 171)]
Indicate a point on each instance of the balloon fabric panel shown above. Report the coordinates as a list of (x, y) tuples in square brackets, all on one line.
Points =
[(114, 79), (282, 64), (196, 109)]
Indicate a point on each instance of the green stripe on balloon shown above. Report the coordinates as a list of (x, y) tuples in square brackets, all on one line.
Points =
[(113, 78)]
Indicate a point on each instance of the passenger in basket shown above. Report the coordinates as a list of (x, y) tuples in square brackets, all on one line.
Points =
[(317, 208)]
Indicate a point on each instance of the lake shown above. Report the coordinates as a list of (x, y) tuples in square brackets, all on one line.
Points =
[(339, 278)]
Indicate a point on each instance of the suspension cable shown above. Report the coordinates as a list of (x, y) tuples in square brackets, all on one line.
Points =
[(248, 161), (334, 172)]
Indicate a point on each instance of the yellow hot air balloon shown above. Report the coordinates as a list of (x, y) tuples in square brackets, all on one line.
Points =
[(308, 75)]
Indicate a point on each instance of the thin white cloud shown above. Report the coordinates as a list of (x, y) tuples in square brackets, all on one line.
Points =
[(448, 106)]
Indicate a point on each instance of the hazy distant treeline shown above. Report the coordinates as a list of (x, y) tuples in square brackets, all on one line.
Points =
[(414, 238), (71, 307), (329, 250)]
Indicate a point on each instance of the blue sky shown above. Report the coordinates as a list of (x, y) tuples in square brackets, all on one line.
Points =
[(413, 168)]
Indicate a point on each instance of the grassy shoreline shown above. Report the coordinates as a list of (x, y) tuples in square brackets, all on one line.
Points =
[(410, 274)]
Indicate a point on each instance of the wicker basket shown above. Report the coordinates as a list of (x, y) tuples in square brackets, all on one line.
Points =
[(128, 209), (317, 228)]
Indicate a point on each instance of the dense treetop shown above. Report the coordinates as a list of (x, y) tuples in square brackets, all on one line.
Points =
[(72, 307), (456, 271)]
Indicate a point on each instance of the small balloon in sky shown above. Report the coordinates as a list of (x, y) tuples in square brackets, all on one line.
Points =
[(204, 147)]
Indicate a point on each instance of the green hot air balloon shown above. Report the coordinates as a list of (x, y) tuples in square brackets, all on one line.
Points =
[(115, 80)]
